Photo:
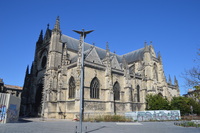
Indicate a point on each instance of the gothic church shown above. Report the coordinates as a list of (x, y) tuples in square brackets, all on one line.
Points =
[(113, 84)]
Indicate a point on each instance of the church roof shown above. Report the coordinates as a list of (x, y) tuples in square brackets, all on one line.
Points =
[(134, 55), (73, 44)]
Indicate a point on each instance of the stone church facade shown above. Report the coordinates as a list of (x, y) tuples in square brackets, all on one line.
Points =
[(113, 84)]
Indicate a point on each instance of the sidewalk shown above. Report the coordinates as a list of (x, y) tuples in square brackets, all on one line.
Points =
[(35, 125)]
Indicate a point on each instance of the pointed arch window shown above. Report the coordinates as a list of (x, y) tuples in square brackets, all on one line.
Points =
[(155, 72), (116, 89), (72, 87), (138, 93), (94, 88)]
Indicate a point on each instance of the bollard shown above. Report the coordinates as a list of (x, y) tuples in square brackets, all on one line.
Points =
[(76, 130)]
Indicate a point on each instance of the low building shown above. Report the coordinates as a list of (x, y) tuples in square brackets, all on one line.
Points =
[(195, 94), (11, 89)]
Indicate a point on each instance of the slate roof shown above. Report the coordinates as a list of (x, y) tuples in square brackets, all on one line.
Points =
[(73, 44)]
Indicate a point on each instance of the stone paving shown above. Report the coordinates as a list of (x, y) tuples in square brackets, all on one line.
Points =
[(66, 126)]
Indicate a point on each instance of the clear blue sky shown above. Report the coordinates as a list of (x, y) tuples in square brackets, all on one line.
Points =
[(172, 25)]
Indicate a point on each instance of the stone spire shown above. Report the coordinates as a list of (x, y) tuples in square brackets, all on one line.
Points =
[(169, 80), (47, 35), (55, 47), (64, 56), (175, 81), (31, 71), (40, 39), (57, 25), (107, 50), (108, 62), (159, 57), (146, 47), (27, 70)]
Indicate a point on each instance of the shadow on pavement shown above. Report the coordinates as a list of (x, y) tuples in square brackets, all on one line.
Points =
[(96, 129), (24, 120)]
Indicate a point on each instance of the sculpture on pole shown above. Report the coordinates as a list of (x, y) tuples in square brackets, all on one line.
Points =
[(83, 34)]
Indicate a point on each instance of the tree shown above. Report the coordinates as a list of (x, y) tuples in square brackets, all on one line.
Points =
[(157, 102), (192, 77), (185, 105), (180, 103)]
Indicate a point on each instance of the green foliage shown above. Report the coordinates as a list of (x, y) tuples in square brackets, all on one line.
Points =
[(157, 102), (109, 118), (184, 104), (189, 124)]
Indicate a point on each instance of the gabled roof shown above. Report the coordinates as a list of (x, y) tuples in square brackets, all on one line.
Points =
[(73, 44), (93, 56)]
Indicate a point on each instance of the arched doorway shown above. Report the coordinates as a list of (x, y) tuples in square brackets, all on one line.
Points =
[(38, 100)]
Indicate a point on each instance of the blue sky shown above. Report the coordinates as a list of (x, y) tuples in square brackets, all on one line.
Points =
[(172, 25)]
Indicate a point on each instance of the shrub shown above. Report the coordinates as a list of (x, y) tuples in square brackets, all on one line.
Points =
[(109, 118)]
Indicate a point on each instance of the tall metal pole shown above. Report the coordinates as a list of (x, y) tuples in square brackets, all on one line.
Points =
[(83, 34), (82, 84)]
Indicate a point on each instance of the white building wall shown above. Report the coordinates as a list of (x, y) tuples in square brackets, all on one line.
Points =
[(9, 108)]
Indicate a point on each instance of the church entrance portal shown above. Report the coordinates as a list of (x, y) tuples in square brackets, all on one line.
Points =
[(38, 100)]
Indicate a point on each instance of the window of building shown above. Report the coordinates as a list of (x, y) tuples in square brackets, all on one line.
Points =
[(72, 87), (138, 93), (94, 88), (116, 89), (44, 61)]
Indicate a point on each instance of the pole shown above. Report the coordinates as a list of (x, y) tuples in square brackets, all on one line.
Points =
[(83, 34), (82, 84)]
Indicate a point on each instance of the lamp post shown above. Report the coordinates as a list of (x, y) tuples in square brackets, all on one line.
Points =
[(83, 34)]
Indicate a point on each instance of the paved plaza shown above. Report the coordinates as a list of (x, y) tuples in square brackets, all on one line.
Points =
[(66, 126)]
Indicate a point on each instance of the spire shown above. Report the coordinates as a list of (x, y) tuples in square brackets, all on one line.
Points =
[(27, 70), (169, 80), (107, 50), (64, 54), (175, 81), (146, 47), (108, 55), (159, 57), (31, 72), (57, 25), (108, 62), (47, 35), (40, 39)]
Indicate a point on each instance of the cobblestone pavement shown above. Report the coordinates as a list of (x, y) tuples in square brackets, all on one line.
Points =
[(65, 126)]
